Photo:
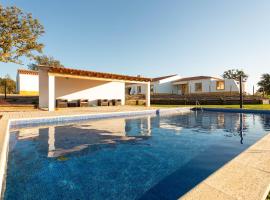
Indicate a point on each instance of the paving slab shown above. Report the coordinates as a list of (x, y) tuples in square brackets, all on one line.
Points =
[(206, 192)]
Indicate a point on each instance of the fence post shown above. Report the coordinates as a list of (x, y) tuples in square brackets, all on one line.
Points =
[(5, 85), (241, 92)]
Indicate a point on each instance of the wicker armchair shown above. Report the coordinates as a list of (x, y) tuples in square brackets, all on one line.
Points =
[(116, 102), (103, 102), (83, 103), (61, 103), (73, 103)]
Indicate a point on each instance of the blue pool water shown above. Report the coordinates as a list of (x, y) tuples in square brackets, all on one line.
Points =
[(149, 157)]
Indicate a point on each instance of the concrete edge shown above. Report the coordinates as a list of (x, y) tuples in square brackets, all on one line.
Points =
[(234, 110), (199, 193), (4, 155), (79, 117)]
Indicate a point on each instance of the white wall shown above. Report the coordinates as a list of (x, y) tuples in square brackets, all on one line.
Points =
[(164, 86), (43, 88), (73, 89), (27, 82), (209, 85)]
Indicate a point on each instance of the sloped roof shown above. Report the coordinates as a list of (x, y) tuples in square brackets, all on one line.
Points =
[(86, 73), (29, 72), (162, 77), (193, 78)]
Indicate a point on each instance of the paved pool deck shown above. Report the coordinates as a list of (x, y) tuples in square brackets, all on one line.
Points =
[(245, 177)]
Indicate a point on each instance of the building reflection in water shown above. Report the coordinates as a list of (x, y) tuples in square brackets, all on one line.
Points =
[(94, 135)]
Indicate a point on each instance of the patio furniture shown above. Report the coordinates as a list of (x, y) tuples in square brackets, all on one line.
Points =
[(111, 103), (103, 102), (83, 103), (73, 103), (61, 103), (141, 102), (116, 102)]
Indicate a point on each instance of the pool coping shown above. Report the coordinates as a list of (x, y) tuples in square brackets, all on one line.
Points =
[(254, 162), (7, 123), (234, 110)]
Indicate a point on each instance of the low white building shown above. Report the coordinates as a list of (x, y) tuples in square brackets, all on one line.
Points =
[(74, 84), (27, 82), (173, 84), (206, 84), (160, 85)]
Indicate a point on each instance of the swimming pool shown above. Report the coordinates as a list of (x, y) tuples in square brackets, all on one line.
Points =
[(148, 157)]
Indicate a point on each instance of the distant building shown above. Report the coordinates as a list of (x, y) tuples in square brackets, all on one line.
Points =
[(159, 85), (27, 82), (206, 84), (173, 84)]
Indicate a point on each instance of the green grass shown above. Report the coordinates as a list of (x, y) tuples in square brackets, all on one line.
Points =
[(256, 106), (268, 197)]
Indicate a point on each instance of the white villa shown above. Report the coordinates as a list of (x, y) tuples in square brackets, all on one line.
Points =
[(206, 84), (52, 84), (72, 84), (173, 84)]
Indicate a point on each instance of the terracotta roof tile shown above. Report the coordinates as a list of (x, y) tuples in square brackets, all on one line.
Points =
[(70, 71), (29, 72)]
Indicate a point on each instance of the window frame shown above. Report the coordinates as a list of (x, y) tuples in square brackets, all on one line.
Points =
[(139, 89), (152, 88), (195, 84)]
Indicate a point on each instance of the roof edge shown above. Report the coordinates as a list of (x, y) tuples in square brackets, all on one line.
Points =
[(78, 72)]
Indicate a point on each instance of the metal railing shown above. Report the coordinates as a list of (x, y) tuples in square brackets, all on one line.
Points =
[(198, 105)]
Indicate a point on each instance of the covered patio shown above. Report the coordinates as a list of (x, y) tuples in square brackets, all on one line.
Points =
[(73, 84)]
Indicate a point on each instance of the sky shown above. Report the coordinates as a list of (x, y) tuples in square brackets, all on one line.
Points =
[(154, 37)]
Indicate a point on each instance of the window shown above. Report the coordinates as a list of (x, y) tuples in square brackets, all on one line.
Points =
[(198, 87), (152, 89), (139, 89), (220, 85)]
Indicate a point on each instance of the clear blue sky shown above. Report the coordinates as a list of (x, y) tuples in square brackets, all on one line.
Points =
[(154, 37)]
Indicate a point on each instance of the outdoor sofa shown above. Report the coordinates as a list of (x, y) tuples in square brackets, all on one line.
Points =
[(61, 103), (103, 102), (116, 102)]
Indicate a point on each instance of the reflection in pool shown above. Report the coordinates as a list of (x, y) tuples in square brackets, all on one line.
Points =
[(150, 157)]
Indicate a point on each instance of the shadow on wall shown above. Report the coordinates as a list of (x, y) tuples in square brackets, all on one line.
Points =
[(73, 89)]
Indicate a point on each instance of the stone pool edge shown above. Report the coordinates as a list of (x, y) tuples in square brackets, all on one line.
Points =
[(4, 139), (6, 123)]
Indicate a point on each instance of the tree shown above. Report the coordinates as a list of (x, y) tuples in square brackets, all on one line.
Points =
[(44, 60), (9, 84), (19, 33), (264, 84), (235, 74)]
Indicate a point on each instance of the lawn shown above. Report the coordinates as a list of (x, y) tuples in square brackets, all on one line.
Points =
[(256, 106)]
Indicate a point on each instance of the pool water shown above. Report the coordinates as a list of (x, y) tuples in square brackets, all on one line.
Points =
[(148, 157)]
